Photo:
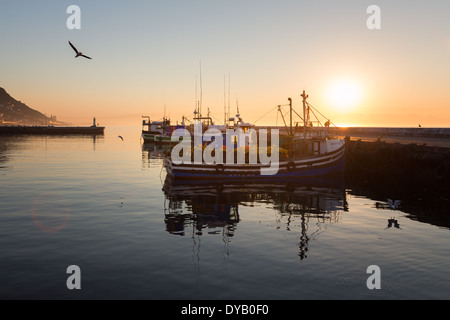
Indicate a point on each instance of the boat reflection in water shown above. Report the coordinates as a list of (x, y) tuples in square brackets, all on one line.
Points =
[(199, 206), (194, 207), (153, 153)]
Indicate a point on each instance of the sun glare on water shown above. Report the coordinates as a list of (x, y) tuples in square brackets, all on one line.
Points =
[(344, 94)]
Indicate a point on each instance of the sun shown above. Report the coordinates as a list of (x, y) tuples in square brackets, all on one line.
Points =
[(344, 94)]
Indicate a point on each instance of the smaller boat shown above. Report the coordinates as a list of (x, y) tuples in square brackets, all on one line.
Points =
[(159, 131)]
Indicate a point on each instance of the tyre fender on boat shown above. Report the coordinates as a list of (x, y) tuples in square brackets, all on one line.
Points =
[(441, 171), (291, 166), (219, 188), (220, 168)]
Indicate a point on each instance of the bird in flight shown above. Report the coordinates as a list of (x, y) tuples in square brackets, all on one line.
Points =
[(121, 137), (79, 54)]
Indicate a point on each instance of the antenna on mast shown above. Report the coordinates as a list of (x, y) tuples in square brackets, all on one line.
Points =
[(201, 89), (224, 102), (196, 95), (229, 86), (304, 96)]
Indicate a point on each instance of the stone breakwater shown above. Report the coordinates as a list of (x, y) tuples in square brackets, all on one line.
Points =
[(442, 133), (394, 162), (42, 130)]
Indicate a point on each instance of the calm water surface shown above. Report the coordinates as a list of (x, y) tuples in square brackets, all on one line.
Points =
[(106, 205)]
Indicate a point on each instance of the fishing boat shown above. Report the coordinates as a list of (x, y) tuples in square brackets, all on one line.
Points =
[(159, 131), (304, 151)]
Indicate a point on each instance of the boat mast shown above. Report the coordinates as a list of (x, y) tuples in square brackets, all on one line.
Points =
[(304, 96), (290, 108), (196, 96), (224, 102), (229, 91), (201, 90)]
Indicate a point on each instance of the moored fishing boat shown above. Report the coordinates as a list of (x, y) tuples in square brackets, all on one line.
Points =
[(305, 151), (326, 163), (158, 131)]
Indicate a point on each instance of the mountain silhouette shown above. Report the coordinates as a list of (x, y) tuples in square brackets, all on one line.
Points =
[(14, 112)]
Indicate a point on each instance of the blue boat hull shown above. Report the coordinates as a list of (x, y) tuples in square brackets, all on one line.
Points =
[(321, 166)]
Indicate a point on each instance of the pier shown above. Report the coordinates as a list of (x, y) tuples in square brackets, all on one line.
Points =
[(50, 130)]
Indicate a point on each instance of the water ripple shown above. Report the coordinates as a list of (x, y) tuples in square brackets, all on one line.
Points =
[(356, 283)]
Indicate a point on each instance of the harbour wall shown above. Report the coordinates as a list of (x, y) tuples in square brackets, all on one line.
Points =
[(443, 133), (407, 158), (375, 132), (395, 163), (49, 130)]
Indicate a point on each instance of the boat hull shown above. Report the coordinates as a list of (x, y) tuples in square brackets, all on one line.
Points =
[(314, 166), (158, 138)]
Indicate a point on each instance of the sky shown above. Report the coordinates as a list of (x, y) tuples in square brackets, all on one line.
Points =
[(159, 57)]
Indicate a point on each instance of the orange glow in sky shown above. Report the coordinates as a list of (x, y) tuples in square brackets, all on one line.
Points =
[(345, 94), (146, 60)]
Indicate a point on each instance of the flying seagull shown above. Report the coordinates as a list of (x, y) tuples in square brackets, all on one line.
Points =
[(79, 54), (121, 137)]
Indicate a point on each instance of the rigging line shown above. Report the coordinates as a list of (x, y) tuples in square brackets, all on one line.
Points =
[(215, 118), (229, 93), (224, 100), (316, 117), (196, 94), (201, 89), (282, 117), (185, 118), (342, 143), (281, 110), (321, 114), (265, 114), (314, 109), (297, 114)]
